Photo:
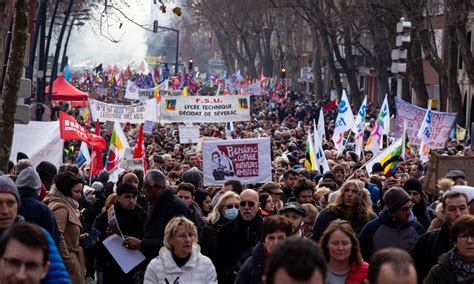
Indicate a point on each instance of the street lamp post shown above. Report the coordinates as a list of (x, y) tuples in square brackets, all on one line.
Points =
[(400, 55)]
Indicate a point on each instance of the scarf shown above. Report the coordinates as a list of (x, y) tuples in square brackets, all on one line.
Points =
[(462, 269)]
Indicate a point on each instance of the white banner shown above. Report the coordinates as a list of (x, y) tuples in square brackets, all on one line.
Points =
[(205, 109), (246, 160), (133, 92), (252, 89), (441, 123), (46, 145), (189, 134), (234, 89), (136, 113)]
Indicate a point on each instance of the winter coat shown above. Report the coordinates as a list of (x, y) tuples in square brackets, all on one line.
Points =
[(234, 245), (163, 269), (57, 272), (374, 192), (428, 248), (208, 238), (161, 212), (67, 215), (252, 270), (358, 273), (36, 212), (325, 217), (442, 273), (424, 215), (384, 231), (131, 223)]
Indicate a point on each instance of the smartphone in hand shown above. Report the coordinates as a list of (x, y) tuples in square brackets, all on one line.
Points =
[(93, 235)]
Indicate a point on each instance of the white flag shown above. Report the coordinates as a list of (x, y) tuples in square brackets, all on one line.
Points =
[(321, 129), (319, 153), (380, 127), (344, 122), (359, 127), (131, 92), (425, 134), (386, 118)]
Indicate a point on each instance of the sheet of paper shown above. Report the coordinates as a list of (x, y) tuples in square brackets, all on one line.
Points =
[(127, 259)]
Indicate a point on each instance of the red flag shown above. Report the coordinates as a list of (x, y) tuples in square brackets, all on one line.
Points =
[(330, 106), (139, 151), (97, 162), (69, 129)]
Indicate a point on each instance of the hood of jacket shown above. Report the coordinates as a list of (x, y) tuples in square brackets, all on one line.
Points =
[(388, 220)]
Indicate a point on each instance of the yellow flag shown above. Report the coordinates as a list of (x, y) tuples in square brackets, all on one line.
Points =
[(185, 91)]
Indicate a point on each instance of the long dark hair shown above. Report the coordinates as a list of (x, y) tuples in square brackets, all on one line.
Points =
[(65, 181)]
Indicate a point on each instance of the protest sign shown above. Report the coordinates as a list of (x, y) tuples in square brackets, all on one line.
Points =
[(439, 166), (148, 127), (440, 127), (205, 109), (189, 134), (46, 144), (252, 89), (113, 222), (132, 164), (233, 88), (136, 113), (133, 92), (127, 259), (246, 160)]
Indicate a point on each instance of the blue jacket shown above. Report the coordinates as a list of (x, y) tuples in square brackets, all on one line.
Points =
[(374, 192), (57, 273), (384, 232), (36, 212)]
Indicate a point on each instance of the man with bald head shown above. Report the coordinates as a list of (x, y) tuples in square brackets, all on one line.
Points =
[(237, 238)]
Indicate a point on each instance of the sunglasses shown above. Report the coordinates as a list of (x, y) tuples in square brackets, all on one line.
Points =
[(249, 203), (230, 206)]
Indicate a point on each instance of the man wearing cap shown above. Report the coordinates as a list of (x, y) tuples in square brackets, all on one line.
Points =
[(9, 204), (457, 176), (295, 213), (28, 183), (394, 227), (131, 220)]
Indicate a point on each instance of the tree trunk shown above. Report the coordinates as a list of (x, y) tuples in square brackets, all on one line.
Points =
[(12, 81), (454, 97), (317, 73), (417, 73)]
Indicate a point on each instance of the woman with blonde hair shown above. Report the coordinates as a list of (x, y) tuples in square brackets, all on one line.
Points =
[(352, 203), (342, 252), (226, 209), (180, 259)]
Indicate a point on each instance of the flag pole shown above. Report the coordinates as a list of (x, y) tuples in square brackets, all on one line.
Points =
[(90, 172)]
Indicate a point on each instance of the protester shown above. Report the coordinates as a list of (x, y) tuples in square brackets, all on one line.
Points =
[(267, 207), (457, 265), (9, 204), (164, 205), (24, 254), (226, 209), (304, 190), (342, 252), (391, 266), (185, 192), (423, 214), (351, 204), (308, 221), (394, 227), (432, 244), (203, 200), (237, 238), (180, 260), (274, 230), (289, 181), (295, 261), (29, 185), (274, 189), (63, 202), (130, 218), (296, 214)]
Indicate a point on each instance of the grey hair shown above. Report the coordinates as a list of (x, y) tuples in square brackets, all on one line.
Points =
[(155, 178)]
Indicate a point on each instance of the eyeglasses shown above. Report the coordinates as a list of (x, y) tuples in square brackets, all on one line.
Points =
[(230, 206), (464, 237), (16, 264), (244, 203)]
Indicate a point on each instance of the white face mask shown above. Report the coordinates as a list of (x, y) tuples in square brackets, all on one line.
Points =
[(231, 213)]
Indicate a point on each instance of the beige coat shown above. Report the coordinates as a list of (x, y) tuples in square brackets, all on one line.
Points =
[(66, 212)]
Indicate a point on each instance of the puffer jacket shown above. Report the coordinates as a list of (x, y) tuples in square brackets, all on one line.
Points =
[(163, 269), (358, 273), (57, 271)]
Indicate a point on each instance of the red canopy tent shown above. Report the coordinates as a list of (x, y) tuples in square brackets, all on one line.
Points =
[(64, 91)]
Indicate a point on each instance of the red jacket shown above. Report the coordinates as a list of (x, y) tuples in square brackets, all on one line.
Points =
[(358, 273)]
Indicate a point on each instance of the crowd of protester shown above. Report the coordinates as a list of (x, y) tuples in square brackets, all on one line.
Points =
[(341, 226)]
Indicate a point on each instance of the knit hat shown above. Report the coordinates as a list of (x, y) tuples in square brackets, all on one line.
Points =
[(21, 156), (394, 198), (413, 184), (46, 171), (126, 188), (129, 178), (329, 175), (295, 207), (29, 178), (377, 167), (8, 186)]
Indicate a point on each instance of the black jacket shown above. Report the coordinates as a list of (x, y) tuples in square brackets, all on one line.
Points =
[(161, 212), (325, 217), (252, 270), (36, 212), (234, 245), (208, 238), (442, 273), (131, 223), (428, 248)]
